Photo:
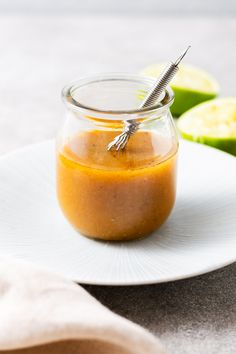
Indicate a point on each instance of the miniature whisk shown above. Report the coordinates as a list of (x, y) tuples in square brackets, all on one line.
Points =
[(131, 126)]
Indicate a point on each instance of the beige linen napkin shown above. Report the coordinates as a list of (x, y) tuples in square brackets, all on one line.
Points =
[(41, 312)]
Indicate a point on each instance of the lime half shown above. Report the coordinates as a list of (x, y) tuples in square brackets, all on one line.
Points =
[(212, 123), (191, 86)]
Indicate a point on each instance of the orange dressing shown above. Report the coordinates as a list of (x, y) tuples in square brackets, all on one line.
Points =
[(114, 195)]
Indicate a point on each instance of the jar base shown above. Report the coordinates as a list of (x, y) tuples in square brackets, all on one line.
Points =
[(117, 239)]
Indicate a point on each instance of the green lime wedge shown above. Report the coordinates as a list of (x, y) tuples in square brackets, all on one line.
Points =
[(191, 86), (212, 123)]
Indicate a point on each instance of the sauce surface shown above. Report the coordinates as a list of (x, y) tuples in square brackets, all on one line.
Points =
[(114, 195)]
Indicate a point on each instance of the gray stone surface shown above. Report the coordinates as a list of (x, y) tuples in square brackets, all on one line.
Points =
[(41, 54), (190, 316)]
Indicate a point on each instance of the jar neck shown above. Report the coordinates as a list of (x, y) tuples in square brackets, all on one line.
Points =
[(114, 97), (113, 122)]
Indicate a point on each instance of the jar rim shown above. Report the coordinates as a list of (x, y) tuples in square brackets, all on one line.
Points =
[(74, 104)]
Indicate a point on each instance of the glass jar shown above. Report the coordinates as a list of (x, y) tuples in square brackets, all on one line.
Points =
[(116, 195)]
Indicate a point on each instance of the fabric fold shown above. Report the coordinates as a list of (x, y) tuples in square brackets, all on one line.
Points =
[(43, 312)]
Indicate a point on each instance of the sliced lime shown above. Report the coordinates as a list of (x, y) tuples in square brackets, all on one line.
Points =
[(191, 86), (212, 123)]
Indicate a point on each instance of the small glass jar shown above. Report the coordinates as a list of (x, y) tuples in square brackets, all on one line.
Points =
[(116, 195)]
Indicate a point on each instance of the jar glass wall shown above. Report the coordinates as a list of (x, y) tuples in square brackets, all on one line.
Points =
[(115, 195)]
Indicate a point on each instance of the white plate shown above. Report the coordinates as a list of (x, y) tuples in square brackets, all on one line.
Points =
[(199, 236)]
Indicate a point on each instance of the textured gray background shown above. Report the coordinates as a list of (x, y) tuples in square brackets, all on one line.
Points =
[(131, 7), (39, 54)]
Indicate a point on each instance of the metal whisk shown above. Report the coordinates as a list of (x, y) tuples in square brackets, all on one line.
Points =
[(131, 126)]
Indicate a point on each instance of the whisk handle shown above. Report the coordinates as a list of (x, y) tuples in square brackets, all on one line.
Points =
[(163, 81)]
